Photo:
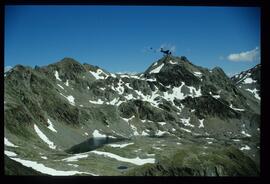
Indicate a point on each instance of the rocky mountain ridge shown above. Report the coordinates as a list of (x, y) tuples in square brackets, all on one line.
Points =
[(173, 100)]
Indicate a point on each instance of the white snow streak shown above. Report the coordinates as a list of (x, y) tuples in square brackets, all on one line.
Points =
[(97, 102), (157, 69), (246, 134), (136, 161), (44, 137), (198, 74), (60, 86), (41, 168), (51, 126), (120, 145), (236, 109), (8, 143), (75, 157), (10, 153), (57, 75), (254, 91)]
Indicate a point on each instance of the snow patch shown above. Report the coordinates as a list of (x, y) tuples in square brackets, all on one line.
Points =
[(173, 63), (160, 133), (75, 158), (255, 92), (98, 75), (60, 86), (56, 74), (246, 134), (197, 74), (120, 145), (248, 81), (128, 119), (236, 109), (134, 129), (161, 123), (136, 161), (8, 143), (201, 125), (246, 147), (99, 101), (186, 130), (51, 126), (144, 133), (69, 98), (10, 153), (157, 69), (46, 170), (44, 137), (186, 122), (66, 83), (96, 134)]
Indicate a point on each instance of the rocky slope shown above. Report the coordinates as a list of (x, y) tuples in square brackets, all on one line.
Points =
[(57, 111), (250, 81)]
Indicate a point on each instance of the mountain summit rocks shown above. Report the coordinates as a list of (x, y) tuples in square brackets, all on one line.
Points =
[(174, 103)]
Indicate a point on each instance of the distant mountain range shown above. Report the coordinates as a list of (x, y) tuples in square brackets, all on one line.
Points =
[(175, 118)]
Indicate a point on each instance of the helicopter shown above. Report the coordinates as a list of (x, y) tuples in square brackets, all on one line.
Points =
[(167, 52)]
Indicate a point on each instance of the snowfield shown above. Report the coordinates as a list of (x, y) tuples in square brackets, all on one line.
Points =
[(44, 137)]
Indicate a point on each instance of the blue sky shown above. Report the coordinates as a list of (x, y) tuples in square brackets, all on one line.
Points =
[(118, 38)]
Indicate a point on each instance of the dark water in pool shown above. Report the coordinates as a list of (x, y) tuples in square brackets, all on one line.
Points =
[(92, 144), (122, 167)]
